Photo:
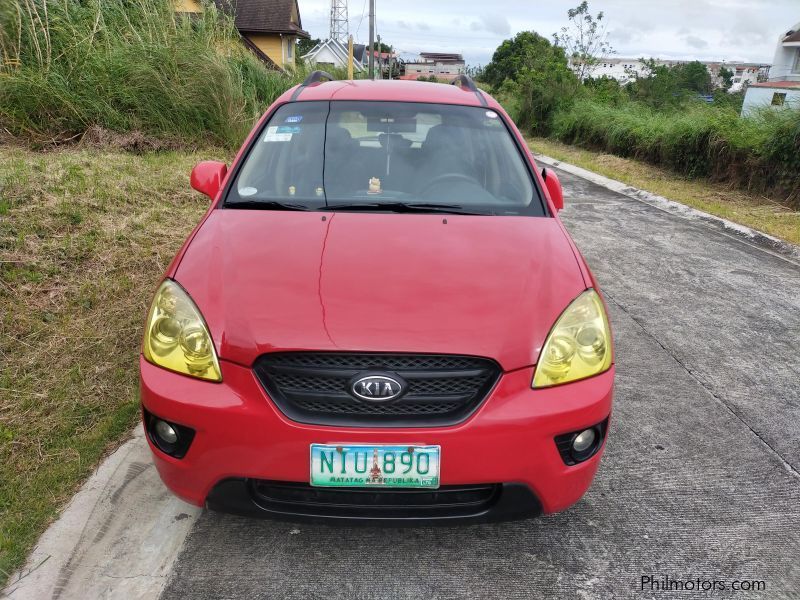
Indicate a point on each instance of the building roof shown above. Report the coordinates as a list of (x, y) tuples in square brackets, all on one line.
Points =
[(382, 55), (777, 84), (360, 53), (792, 37), (336, 48), (442, 56), (264, 16)]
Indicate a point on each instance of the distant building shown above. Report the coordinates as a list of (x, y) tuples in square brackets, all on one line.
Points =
[(625, 70), (334, 53), (269, 28), (441, 65), (782, 89)]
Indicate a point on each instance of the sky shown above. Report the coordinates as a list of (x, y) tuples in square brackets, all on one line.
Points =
[(731, 30)]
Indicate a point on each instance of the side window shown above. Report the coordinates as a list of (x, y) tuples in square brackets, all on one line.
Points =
[(797, 62), (778, 98)]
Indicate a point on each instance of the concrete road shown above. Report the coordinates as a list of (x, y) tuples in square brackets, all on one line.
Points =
[(700, 479)]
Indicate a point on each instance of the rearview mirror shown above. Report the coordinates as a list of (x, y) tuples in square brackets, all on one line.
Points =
[(207, 177), (553, 188)]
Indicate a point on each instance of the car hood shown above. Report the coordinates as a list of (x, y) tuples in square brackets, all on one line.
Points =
[(278, 280)]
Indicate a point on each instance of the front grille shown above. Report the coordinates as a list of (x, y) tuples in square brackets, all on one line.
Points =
[(301, 498), (314, 387)]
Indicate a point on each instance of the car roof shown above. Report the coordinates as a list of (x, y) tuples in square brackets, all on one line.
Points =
[(386, 90)]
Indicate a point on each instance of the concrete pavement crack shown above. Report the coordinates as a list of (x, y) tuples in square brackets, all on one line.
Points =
[(785, 463)]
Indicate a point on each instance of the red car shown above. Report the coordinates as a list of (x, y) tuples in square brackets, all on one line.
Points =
[(380, 318)]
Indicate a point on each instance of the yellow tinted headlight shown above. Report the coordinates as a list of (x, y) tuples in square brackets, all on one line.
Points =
[(176, 336), (579, 345)]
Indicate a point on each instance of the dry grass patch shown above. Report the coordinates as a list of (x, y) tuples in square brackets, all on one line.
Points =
[(84, 236), (759, 212)]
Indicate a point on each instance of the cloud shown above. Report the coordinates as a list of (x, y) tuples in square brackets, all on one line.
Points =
[(695, 42), (623, 36), (496, 24)]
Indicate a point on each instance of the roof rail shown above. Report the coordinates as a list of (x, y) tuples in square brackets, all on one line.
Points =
[(465, 81), (314, 77)]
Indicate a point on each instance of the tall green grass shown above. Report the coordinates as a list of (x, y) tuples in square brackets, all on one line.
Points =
[(128, 65), (761, 153)]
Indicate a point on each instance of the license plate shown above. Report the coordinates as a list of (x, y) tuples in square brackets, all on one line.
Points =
[(343, 465)]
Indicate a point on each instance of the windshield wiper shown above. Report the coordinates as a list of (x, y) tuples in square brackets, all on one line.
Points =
[(265, 205), (402, 207)]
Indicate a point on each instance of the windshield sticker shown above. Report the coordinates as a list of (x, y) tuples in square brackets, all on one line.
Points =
[(248, 191), (294, 119), (274, 134)]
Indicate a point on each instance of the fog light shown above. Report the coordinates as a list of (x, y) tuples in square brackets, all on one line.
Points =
[(165, 431), (583, 441), (169, 437), (581, 445)]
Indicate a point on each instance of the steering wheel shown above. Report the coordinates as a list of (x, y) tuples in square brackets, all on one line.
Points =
[(454, 177)]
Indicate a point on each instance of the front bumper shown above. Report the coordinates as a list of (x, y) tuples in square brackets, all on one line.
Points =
[(241, 437)]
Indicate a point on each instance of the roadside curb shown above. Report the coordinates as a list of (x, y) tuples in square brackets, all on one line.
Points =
[(752, 237), (123, 516)]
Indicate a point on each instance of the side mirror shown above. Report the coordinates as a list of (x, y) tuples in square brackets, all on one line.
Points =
[(553, 188), (207, 177)]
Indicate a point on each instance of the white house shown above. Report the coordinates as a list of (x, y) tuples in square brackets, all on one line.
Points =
[(331, 52), (625, 70), (782, 89)]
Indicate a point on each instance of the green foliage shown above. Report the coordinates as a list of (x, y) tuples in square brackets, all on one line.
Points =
[(662, 86), (694, 77), (305, 46), (605, 90), (761, 154), (727, 78), (129, 65), (531, 69)]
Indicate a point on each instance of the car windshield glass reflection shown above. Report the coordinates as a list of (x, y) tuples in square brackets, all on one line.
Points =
[(391, 156)]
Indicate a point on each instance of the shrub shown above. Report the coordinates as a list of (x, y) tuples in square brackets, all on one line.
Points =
[(761, 154), (128, 65)]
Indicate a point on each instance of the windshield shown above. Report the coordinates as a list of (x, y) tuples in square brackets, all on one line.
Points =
[(386, 155)]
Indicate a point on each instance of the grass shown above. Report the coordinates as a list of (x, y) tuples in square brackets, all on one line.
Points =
[(84, 236), (753, 210), (128, 66), (759, 154)]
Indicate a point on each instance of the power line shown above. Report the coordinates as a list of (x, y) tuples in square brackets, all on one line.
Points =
[(361, 20)]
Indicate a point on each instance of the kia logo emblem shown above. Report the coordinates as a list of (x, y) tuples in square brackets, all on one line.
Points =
[(377, 388)]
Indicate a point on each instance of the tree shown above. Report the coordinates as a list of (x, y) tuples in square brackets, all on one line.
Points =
[(693, 77), (656, 85), (584, 40), (527, 51), (536, 74), (304, 47), (726, 75)]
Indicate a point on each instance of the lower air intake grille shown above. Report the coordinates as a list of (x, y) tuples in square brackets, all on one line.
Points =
[(301, 498)]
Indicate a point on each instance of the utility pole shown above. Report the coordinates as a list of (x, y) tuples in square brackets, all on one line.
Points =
[(372, 39), (350, 57), (380, 59)]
